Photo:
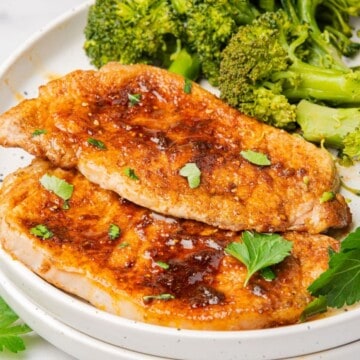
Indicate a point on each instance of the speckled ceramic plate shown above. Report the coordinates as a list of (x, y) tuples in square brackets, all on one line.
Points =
[(54, 52)]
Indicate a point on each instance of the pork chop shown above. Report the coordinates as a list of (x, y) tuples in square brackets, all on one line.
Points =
[(132, 129), (157, 269)]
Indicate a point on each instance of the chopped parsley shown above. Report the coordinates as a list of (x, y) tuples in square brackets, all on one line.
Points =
[(192, 173), (327, 196), (258, 251), (41, 231), (187, 86), (114, 231), (38, 132), (165, 297), (129, 172), (162, 264), (134, 99), (256, 158), (123, 245), (59, 187), (268, 274), (96, 143), (9, 331)]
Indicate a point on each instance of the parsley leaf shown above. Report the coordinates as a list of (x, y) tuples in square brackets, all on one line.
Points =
[(340, 284), (258, 251), (165, 297), (134, 99), (58, 186), (162, 264), (268, 274), (327, 196), (187, 86), (255, 158), (38, 132), (192, 173), (130, 173), (114, 232), (123, 245), (9, 332), (96, 143), (317, 306), (41, 231)]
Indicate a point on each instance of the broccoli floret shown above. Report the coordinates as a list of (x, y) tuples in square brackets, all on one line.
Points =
[(134, 31), (270, 54), (352, 144), (330, 30), (333, 19), (185, 36), (185, 64), (337, 127), (208, 26)]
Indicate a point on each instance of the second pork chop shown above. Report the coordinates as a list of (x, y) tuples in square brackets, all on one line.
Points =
[(135, 263), (132, 129)]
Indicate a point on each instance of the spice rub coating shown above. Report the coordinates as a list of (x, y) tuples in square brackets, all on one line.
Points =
[(139, 118), (121, 275)]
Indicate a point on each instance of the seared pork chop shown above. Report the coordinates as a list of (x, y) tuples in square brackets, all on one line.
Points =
[(157, 269), (132, 129)]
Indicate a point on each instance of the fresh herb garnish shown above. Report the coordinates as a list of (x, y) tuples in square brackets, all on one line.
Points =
[(192, 173), (258, 251), (38, 132), (327, 196), (165, 297), (9, 332), (97, 143), (255, 157), (268, 274), (187, 86), (162, 264), (114, 231), (134, 99), (129, 172), (59, 187), (123, 245), (340, 284), (317, 306), (42, 231)]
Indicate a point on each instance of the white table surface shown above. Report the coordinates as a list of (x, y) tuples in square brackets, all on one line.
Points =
[(19, 19)]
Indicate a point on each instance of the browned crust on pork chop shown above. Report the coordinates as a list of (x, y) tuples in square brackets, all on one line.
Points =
[(167, 129), (115, 275)]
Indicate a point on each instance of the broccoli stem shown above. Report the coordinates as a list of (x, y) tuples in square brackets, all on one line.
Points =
[(322, 123), (309, 82), (185, 64), (323, 48)]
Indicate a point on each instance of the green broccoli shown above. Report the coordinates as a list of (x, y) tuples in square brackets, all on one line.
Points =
[(135, 31), (185, 36), (264, 69), (333, 21), (208, 26), (337, 127)]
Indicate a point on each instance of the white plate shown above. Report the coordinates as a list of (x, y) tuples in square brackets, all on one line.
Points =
[(70, 340), (55, 52)]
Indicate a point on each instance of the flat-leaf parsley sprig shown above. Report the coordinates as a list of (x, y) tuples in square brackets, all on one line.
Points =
[(258, 251), (340, 284), (10, 331)]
